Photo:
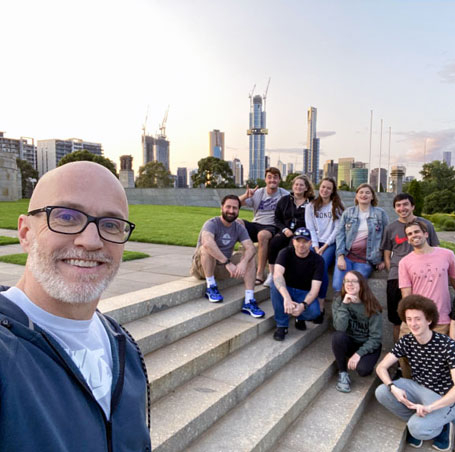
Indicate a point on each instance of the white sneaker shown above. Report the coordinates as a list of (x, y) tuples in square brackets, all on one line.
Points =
[(268, 281)]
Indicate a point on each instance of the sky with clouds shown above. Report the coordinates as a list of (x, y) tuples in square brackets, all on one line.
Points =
[(90, 69)]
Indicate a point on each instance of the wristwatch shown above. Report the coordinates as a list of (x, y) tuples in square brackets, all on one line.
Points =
[(228, 261), (390, 386), (305, 304)]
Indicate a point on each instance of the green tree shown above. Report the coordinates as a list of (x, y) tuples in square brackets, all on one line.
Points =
[(442, 201), (154, 175), (29, 177), (344, 187), (213, 173), (415, 190), (77, 156), (437, 176), (287, 183)]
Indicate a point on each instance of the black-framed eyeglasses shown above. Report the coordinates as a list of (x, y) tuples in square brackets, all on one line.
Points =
[(65, 220)]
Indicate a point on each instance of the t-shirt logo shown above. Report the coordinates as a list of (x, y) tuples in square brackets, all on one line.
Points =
[(226, 239), (399, 240)]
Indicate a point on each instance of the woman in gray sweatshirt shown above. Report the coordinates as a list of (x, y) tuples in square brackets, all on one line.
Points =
[(357, 319)]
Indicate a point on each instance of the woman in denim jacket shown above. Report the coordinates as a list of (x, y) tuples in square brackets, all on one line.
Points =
[(359, 236)]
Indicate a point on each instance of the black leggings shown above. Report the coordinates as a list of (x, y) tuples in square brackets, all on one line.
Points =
[(278, 242), (344, 346)]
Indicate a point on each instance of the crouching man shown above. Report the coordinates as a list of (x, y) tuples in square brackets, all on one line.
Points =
[(214, 256), (427, 400), (297, 278)]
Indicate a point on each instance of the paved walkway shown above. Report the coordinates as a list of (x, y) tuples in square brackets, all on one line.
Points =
[(166, 263)]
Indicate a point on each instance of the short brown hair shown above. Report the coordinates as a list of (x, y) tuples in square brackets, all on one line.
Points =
[(374, 201), (273, 170), (420, 224), (309, 192), (419, 303)]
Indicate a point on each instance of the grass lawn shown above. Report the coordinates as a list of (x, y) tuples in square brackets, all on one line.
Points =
[(8, 240), (448, 245), (21, 258), (170, 225)]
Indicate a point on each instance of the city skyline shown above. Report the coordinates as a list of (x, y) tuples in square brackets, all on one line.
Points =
[(394, 58)]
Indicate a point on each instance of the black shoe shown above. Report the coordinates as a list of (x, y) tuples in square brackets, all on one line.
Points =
[(320, 318), (300, 325), (279, 333)]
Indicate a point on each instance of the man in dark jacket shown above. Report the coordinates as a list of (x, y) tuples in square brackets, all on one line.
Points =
[(70, 378)]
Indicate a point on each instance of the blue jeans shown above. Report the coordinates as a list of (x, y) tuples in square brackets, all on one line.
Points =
[(329, 258), (427, 427), (297, 295), (338, 275)]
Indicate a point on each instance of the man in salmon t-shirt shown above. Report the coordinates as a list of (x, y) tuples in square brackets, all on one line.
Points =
[(427, 271)]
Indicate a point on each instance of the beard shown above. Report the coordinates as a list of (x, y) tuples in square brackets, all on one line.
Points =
[(230, 218), (85, 290)]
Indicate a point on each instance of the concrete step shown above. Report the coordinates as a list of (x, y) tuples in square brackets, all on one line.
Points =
[(167, 326), (183, 415), (327, 423), (378, 431), (141, 303), (175, 364), (262, 417)]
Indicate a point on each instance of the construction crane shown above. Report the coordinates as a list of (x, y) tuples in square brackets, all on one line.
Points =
[(163, 124), (251, 92), (265, 93), (144, 127)]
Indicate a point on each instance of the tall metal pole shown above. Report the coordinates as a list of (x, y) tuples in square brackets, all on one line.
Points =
[(379, 168), (388, 164), (371, 133)]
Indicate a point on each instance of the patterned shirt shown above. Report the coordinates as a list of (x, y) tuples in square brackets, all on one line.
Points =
[(431, 362)]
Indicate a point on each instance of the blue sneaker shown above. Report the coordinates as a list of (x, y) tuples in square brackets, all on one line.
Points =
[(213, 294), (253, 309), (413, 442), (444, 440)]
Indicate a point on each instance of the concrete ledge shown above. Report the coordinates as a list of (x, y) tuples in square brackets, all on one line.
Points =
[(141, 303), (169, 325)]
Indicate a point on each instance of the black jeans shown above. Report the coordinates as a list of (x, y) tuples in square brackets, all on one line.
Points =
[(344, 346)]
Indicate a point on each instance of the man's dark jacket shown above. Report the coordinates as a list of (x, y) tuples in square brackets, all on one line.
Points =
[(45, 403)]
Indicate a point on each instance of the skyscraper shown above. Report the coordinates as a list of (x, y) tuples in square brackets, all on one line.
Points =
[(257, 133), (344, 171), (447, 158), (182, 177), (331, 169), (374, 178), (283, 169), (237, 171), (216, 140), (312, 146), (155, 149)]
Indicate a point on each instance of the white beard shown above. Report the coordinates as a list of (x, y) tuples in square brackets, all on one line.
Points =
[(86, 290)]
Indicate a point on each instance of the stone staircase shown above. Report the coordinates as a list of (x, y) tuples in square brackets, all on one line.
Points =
[(219, 382)]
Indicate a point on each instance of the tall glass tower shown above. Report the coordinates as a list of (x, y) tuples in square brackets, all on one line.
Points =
[(312, 167), (257, 133)]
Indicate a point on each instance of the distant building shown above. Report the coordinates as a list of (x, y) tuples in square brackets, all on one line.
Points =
[(359, 165), (374, 179), (290, 168), (267, 161), (148, 149), (358, 176), (330, 169), (10, 177), (21, 147), (344, 171), (306, 168), (126, 173), (408, 179), (312, 146), (282, 167), (237, 171), (155, 149), (447, 158), (216, 144), (50, 152), (257, 132), (182, 177), (190, 179), (396, 175)]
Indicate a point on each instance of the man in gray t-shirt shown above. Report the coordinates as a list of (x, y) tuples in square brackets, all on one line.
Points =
[(395, 246), (262, 228), (214, 256)]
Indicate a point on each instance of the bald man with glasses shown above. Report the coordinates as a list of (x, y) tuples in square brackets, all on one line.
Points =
[(71, 379)]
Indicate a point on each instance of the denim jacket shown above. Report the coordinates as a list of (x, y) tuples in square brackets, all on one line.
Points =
[(349, 225)]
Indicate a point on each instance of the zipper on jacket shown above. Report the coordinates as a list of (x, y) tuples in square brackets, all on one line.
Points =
[(109, 435)]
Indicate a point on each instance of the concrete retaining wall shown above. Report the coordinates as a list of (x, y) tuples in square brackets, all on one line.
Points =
[(206, 197), (10, 178)]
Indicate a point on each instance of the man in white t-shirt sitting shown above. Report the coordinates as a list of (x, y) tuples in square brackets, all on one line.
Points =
[(70, 377), (262, 228), (214, 256)]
